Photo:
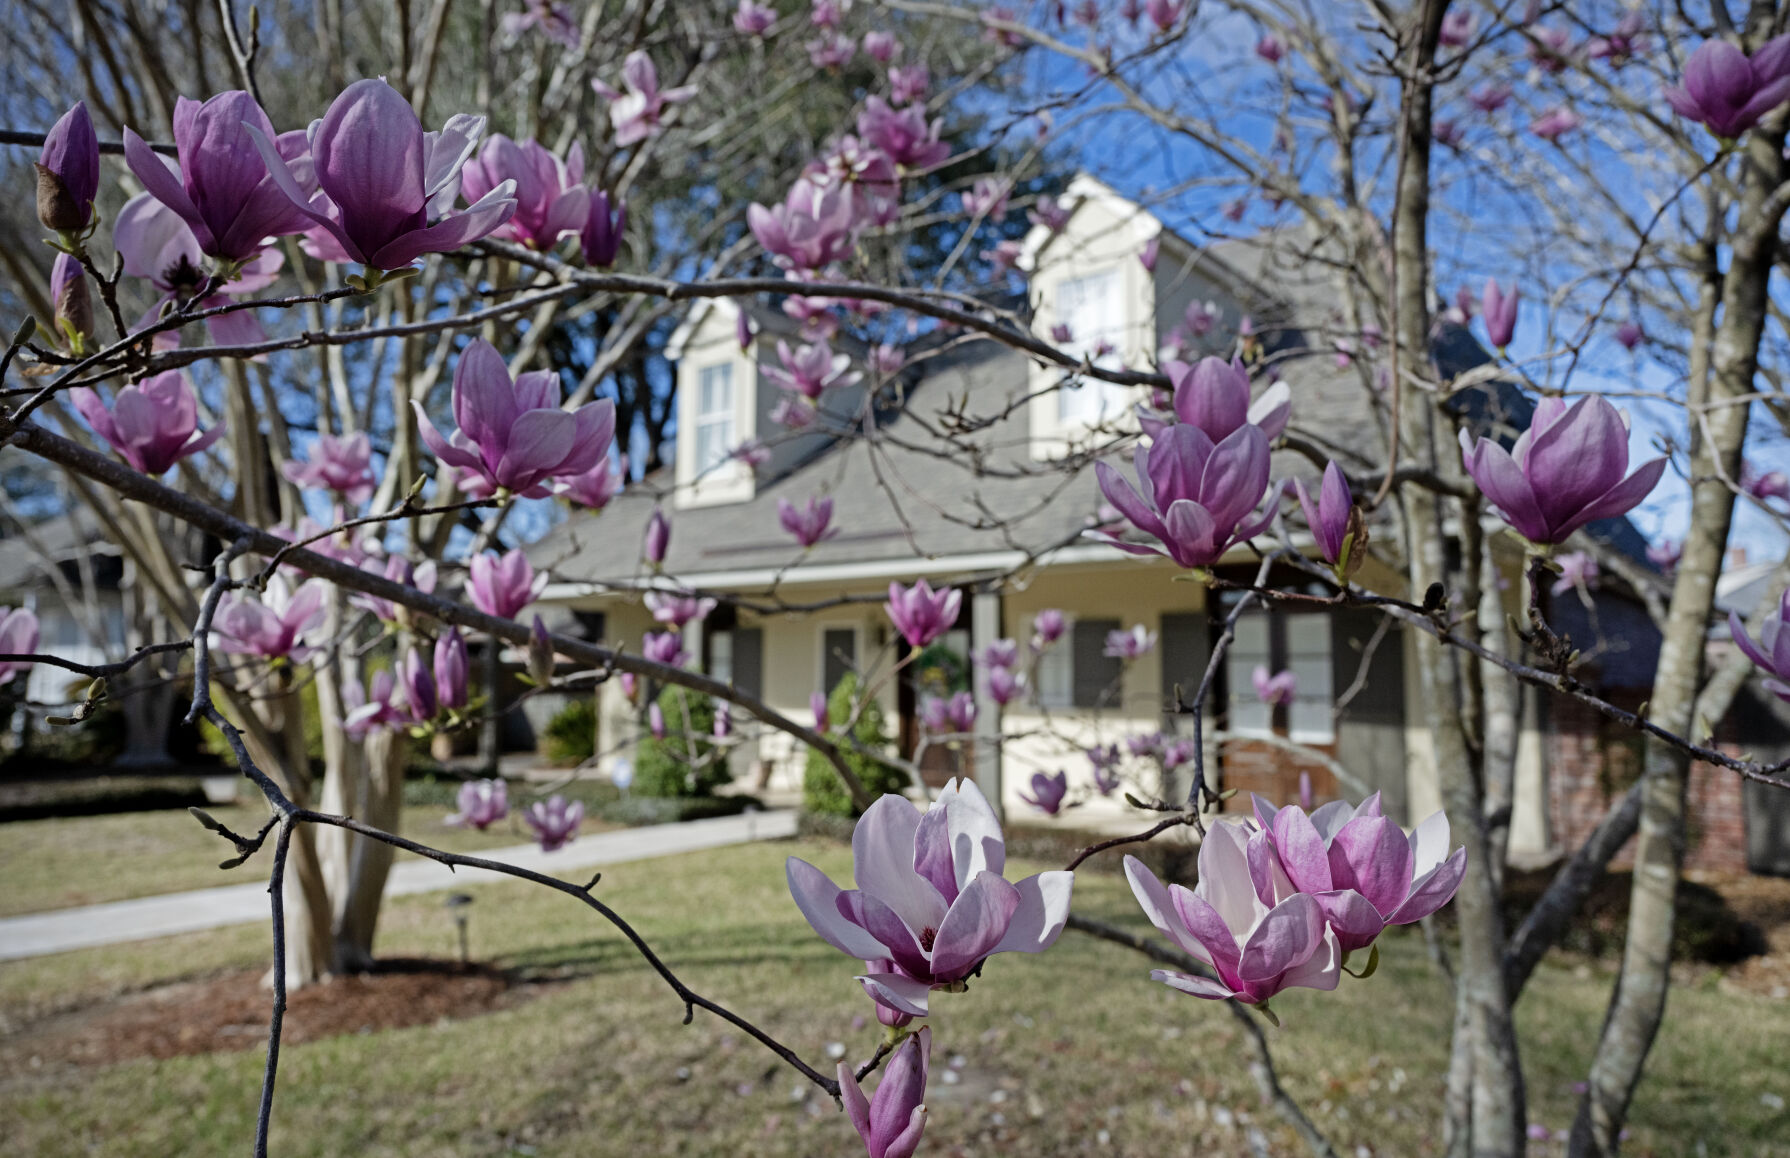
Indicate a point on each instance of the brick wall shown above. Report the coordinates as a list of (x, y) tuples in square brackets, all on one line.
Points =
[(1592, 760)]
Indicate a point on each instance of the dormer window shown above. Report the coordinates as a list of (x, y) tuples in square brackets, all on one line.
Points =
[(1091, 309), (714, 426)]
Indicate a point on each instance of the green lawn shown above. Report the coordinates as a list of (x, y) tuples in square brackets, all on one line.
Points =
[(1070, 1052), (83, 860)]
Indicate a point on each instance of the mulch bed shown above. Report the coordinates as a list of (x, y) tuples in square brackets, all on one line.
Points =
[(230, 1012)]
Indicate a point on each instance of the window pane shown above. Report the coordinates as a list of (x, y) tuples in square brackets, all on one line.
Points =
[(1090, 307), (839, 655), (1249, 649), (714, 441), (1308, 656), (1056, 674), (721, 655), (715, 393)]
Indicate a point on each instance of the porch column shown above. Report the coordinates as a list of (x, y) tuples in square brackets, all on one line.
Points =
[(985, 628)]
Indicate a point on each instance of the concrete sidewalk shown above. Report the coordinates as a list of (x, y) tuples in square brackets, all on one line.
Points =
[(38, 934)]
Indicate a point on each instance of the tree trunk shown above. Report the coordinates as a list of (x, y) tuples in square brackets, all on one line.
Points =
[(370, 861), (1639, 1000)]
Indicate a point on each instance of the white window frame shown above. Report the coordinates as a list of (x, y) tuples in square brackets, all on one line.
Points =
[(721, 421)]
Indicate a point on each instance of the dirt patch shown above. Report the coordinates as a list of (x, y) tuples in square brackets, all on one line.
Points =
[(1763, 902), (230, 1012)]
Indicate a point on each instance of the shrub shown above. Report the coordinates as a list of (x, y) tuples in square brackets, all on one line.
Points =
[(822, 790), (570, 737), (687, 762)]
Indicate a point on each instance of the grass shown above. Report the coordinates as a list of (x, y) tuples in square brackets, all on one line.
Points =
[(62, 862), (1066, 1053)]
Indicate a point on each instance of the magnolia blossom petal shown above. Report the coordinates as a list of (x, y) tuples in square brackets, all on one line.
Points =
[(1043, 910), (817, 897)]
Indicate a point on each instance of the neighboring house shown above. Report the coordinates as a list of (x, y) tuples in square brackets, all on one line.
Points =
[(991, 503)]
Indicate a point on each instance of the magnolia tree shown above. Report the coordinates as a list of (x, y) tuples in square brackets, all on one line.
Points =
[(251, 320)]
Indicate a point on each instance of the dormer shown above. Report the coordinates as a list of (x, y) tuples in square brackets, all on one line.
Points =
[(1089, 278), (717, 389)]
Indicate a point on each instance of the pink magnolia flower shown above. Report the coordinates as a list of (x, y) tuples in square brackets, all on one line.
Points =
[(998, 15), (638, 112), (808, 524), (1214, 396), (230, 198), (373, 709), (342, 465), (1279, 688), (922, 614), (1500, 311), (18, 636), (1457, 28), (1448, 132), (1257, 941), (813, 227), (503, 586), (555, 823), (420, 693), (831, 50), (817, 707), (1128, 645), (658, 537), (1147, 257), (1005, 685), (1164, 14), (810, 370), (887, 360), (554, 20), (1047, 627), (1665, 555), (655, 720), (601, 238), (513, 434), (277, 625), (753, 19), (1005, 257), (666, 647), (1360, 868), (1556, 123), (827, 13), (1630, 334), (905, 134), (1772, 651), (380, 177), (1726, 91), (1568, 469), (1000, 653), (881, 46), (551, 198), (1048, 792), (957, 714), (677, 608), (1489, 98), (1270, 49), (1549, 48), (1774, 484), (1330, 515), (1624, 42), (482, 803), (891, 1122), (744, 330), (156, 244), (396, 568), (1577, 570), (1050, 213), (907, 85), (1196, 498), (987, 197), (931, 899), (595, 487), (68, 171), (452, 668), (1105, 762), (152, 425)]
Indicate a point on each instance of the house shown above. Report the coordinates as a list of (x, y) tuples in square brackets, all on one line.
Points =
[(993, 511)]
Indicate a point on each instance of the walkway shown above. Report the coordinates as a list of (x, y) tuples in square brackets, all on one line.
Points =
[(37, 934)]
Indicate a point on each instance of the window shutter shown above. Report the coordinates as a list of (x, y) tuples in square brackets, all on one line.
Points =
[(748, 660), (839, 647), (1096, 674), (1186, 643)]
